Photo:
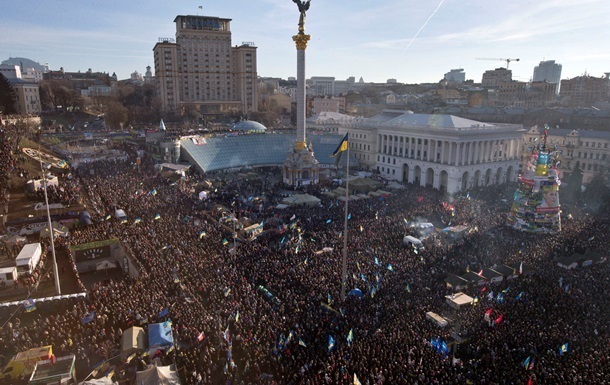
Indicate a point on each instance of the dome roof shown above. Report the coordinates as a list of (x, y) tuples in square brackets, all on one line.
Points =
[(249, 125)]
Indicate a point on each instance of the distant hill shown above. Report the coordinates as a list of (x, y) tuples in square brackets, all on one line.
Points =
[(24, 63)]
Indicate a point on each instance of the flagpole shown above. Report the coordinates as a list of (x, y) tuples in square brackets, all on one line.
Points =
[(344, 261)]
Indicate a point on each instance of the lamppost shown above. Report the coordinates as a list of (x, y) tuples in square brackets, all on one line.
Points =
[(51, 233)]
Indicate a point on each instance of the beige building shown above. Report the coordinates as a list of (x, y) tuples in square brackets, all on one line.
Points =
[(590, 149), (200, 70), (27, 97), (444, 152), (492, 78)]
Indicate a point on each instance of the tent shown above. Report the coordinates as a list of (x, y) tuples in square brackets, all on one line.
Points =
[(85, 218), (133, 341), (364, 185), (99, 381), (158, 375), (14, 239), (58, 229), (302, 199), (160, 337)]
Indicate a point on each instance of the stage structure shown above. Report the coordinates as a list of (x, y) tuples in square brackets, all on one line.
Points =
[(301, 167), (536, 205)]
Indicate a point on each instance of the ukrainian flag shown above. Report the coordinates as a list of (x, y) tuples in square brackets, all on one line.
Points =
[(158, 216), (342, 146)]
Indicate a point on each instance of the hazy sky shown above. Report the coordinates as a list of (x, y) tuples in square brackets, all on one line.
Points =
[(373, 39)]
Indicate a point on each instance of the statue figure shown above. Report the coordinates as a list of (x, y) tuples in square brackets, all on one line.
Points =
[(303, 7)]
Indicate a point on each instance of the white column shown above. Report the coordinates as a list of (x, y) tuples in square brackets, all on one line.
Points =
[(435, 150), (470, 153), (476, 152), (463, 160), (410, 147), (429, 148), (443, 152), (450, 152), (301, 98)]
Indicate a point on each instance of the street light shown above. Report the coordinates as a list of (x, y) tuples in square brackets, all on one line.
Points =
[(51, 234)]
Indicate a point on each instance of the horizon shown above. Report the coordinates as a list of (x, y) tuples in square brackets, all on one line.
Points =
[(413, 43)]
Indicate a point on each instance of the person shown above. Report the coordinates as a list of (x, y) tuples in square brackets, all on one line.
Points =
[(550, 198)]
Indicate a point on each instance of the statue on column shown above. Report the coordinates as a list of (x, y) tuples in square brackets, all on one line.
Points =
[(303, 7)]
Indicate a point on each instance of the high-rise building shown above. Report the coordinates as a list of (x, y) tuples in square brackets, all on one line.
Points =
[(548, 71), (456, 76), (585, 90), (200, 70), (493, 78)]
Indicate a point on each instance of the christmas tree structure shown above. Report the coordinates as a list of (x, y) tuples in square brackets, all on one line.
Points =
[(536, 205)]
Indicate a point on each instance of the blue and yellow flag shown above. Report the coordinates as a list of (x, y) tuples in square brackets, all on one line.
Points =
[(158, 216), (342, 146), (201, 234)]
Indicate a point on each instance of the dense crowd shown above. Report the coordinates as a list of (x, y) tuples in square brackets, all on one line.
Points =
[(271, 312)]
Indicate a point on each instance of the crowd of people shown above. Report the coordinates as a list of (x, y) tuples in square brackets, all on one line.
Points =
[(270, 311)]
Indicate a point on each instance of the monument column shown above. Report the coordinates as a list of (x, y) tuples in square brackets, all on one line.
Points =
[(301, 166), (301, 40)]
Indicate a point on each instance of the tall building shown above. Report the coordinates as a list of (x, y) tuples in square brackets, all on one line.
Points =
[(456, 76), (548, 71), (585, 90), (27, 96), (492, 78), (200, 70)]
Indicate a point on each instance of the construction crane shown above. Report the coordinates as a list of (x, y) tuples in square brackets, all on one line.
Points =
[(498, 59)]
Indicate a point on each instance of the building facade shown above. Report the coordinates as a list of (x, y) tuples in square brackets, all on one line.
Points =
[(548, 71), (589, 149), (585, 90), (27, 97), (200, 69), (444, 152), (492, 78), (455, 76)]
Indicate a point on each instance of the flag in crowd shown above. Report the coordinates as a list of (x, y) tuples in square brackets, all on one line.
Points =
[(88, 318), (563, 349), (519, 296), (200, 337), (526, 363), (237, 317), (301, 343), (227, 291), (29, 305), (408, 287), (225, 242), (201, 234), (157, 216), (328, 221), (377, 261), (153, 192), (356, 380), (331, 343), (137, 220), (163, 312), (350, 337), (390, 267)]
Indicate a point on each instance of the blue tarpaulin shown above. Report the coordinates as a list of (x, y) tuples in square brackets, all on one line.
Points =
[(160, 337)]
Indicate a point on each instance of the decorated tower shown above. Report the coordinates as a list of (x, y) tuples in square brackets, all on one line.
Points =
[(301, 166), (536, 205)]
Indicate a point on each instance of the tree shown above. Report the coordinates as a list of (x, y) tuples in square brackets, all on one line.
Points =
[(115, 115), (7, 97)]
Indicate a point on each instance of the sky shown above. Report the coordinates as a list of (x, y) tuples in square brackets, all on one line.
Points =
[(407, 40)]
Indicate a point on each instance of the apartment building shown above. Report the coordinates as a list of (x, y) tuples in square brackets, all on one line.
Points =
[(201, 70)]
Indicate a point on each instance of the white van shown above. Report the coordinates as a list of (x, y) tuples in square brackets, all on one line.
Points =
[(412, 241)]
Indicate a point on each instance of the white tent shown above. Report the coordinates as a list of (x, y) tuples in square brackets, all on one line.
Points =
[(133, 341), (158, 375), (302, 199)]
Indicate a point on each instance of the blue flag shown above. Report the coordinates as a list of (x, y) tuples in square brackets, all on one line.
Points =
[(331, 343), (163, 312), (350, 337), (88, 318), (563, 349)]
